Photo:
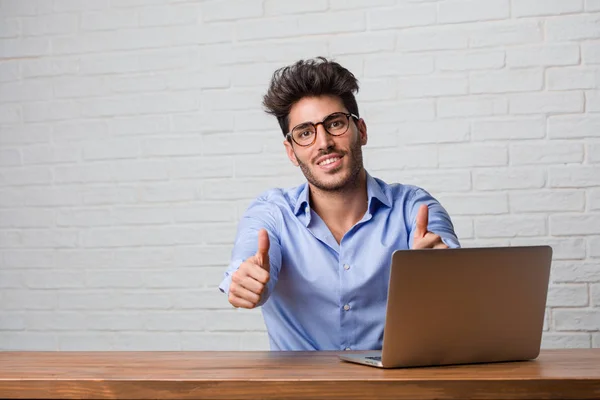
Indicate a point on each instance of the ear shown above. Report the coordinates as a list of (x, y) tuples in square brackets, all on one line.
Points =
[(290, 152), (362, 131)]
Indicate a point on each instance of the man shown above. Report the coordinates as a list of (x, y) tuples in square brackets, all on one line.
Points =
[(317, 257)]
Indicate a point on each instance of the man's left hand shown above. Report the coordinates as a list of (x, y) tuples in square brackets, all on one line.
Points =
[(423, 239)]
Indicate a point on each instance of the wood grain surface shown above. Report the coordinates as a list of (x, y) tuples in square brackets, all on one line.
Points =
[(565, 374)]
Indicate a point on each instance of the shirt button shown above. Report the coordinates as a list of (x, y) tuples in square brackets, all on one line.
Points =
[(346, 267), (346, 307)]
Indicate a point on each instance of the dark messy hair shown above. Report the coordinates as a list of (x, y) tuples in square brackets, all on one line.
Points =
[(304, 78)]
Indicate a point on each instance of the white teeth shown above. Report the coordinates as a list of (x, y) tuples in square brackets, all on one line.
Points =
[(329, 161)]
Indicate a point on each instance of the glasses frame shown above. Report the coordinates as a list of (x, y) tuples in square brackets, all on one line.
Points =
[(290, 137)]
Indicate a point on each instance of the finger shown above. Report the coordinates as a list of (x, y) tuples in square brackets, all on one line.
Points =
[(239, 302), (262, 254), (253, 279), (427, 242), (422, 220), (241, 293), (441, 245)]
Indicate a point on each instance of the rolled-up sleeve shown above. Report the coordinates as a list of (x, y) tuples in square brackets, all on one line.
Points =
[(439, 221), (260, 215)]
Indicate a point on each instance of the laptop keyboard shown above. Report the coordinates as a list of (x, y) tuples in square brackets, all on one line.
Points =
[(376, 358)]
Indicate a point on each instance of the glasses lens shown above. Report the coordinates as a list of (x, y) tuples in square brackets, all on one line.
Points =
[(336, 124), (304, 134)]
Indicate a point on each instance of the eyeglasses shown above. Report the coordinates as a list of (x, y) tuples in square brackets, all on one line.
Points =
[(336, 124)]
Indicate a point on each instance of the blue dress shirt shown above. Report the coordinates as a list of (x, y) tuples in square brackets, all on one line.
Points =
[(323, 295)]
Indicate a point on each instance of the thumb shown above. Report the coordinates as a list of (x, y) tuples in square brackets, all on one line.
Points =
[(262, 254), (422, 221)]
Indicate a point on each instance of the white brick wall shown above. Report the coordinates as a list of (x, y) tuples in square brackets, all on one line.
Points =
[(132, 139)]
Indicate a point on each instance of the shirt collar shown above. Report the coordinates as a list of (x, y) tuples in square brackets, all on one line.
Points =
[(374, 191)]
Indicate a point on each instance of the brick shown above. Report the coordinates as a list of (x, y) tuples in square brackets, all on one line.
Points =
[(24, 47), (207, 299), (139, 125), (74, 87), (274, 7), (530, 8), (521, 80), (142, 236), (49, 154), (135, 171), (568, 78), (9, 71), (573, 177), (237, 320), (595, 294), (203, 256), (353, 4), (10, 157), (238, 189), (593, 153), (83, 218), (177, 321), (376, 90), (433, 132), (223, 144), (402, 17), (397, 65), (27, 259), (78, 5), (55, 279), (107, 195), (573, 27), (23, 176), (261, 165), (10, 28), (54, 238), (574, 126), (11, 279), (51, 111), (563, 248), (592, 101), (549, 102), (144, 300), (506, 33), (546, 153), (206, 341), (85, 341), (561, 225), (594, 199), (109, 19), (231, 10), (442, 85), (542, 55), (24, 91), (363, 43), (27, 8), (111, 149), (568, 295), (87, 300), (227, 100), (590, 52), (469, 155), (513, 226), (171, 14), (547, 201), (29, 341), (434, 181), (56, 24), (82, 174), (475, 204), (23, 299), (91, 64), (576, 320), (503, 179), (166, 192), (140, 215), (109, 279), (12, 321), (592, 5), (407, 157), (49, 66), (472, 10), (471, 106), (147, 341), (331, 22), (469, 60), (205, 167), (432, 38), (10, 114), (138, 104), (172, 146), (251, 75), (53, 196), (204, 212), (552, 340), (55, 321), (27, 218)]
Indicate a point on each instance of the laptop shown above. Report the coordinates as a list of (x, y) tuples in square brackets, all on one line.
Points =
[(463, 306)]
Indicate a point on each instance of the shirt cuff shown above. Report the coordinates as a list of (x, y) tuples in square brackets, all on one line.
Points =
[(226, 282), (451, 242)]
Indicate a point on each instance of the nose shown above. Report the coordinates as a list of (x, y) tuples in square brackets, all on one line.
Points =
[(323, 140)]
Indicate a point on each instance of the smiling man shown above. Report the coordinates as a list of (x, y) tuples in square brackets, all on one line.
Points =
[(317, 257)]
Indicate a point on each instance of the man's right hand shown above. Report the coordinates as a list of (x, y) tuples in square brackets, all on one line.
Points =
[(249, 281)]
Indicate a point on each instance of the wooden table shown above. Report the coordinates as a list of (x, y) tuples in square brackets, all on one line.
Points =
[(566, 374)]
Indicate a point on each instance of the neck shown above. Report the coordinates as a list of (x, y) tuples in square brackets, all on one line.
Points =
[(343, 208)]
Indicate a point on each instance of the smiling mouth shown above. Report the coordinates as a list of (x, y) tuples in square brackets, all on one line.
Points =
[(329, 160)]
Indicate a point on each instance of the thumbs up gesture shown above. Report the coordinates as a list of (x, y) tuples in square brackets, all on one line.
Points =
[(249, 281), (423, 239)]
